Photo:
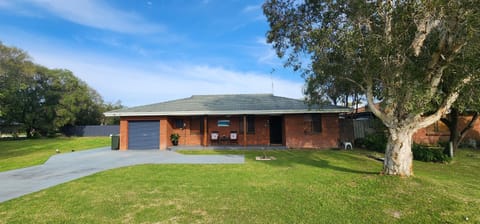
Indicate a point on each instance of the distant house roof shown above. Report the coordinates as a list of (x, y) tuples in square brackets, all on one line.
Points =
[(366, 108), (248, 104)]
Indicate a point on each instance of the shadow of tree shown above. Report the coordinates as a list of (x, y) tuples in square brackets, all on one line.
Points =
[(325, 159)]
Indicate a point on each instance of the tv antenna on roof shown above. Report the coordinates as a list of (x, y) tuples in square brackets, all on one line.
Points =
[(271, 78)]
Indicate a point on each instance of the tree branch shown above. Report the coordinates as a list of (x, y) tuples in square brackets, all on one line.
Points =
[(445, 121), (355, 82), (371, 104), (469, 125), (424, 27), (447, 103), (388, 21)]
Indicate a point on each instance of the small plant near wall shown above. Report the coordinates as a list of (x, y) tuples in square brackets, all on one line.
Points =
[(174, 138)]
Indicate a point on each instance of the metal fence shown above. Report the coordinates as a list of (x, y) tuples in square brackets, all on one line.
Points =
[(91, 130)]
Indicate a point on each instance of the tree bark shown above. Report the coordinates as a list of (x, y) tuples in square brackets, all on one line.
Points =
[(469, 126), (456, 136), (398, 154), (454, 133)]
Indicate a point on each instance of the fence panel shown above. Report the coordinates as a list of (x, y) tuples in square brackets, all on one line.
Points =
[(91, 130)]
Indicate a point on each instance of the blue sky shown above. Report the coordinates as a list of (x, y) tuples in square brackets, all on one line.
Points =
[(144, 52)]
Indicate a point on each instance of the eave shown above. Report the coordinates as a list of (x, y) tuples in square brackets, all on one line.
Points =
[(237, 112)]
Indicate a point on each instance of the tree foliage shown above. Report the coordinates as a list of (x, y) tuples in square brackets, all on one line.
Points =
[(109, 107), (467, 105), (400, 53), (43, 100)]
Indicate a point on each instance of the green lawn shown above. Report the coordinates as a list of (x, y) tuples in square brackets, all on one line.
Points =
[(30, 152), (299, 187)]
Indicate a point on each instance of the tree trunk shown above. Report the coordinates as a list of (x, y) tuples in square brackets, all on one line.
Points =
[(454, 133), (398, 154), (456, 136)]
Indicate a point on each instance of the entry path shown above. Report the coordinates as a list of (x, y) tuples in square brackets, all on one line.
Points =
[(62, 168)]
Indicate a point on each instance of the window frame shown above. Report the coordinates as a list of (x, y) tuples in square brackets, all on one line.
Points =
[(223, 123), (251, 124), (179, 122), (250, 121), (316, 123), (312, 123)]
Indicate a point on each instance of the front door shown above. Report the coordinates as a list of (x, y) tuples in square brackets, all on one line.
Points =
[(276, 130)]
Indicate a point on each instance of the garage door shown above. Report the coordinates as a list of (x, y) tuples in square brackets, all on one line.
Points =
[(143, 134)]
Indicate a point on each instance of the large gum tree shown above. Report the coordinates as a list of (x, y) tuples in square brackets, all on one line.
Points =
[(399, 53)]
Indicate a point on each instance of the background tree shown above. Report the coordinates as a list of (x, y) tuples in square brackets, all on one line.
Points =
[(396, 52), (16, 71), (339, 92), (44, 100), (108, 107), (92, 112), (467, 105)]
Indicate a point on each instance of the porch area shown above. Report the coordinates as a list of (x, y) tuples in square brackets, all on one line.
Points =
[(228, 147), (227, 132)]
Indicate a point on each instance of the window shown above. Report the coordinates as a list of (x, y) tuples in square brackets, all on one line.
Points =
[(312, 123), (179, 123), (250, 125), (240, 125), (223, 123), (316, 123), (196, 126)]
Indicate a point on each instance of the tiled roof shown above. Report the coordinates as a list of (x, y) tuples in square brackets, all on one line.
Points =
[(227, 105)]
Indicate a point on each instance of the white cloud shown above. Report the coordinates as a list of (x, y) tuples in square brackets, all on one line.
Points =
[(251, 8), (98, 15), (255, 12), (266, 54), (269, 57), (5, 4), (138, 84), (11, 6)]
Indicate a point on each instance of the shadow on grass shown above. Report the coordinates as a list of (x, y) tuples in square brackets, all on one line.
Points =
[(10, 153), (288, 158)]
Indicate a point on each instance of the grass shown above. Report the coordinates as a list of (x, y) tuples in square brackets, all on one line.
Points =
[(299, 187), (30, 152)]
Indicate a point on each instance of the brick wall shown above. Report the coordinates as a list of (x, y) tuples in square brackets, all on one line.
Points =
[(124, 130), (189, 137), (294, 135), (298, 137), (165, 131), (439, 132), (123, 133)]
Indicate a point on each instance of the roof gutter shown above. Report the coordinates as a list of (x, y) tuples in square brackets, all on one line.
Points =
[(238, 112)]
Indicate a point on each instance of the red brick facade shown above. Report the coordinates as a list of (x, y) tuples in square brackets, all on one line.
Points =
[(438, 132), (298, 135), (296, 130)]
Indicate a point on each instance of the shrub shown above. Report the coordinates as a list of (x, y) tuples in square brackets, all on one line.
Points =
[(444, 144), (429, 154), (376, 142), (359, 142), (468, 143)]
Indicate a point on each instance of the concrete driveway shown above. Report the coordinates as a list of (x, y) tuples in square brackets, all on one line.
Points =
[(62, 168)]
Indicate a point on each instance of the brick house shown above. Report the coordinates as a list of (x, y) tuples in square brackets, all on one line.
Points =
[(241, 119), (439, 132), (431, 135)]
